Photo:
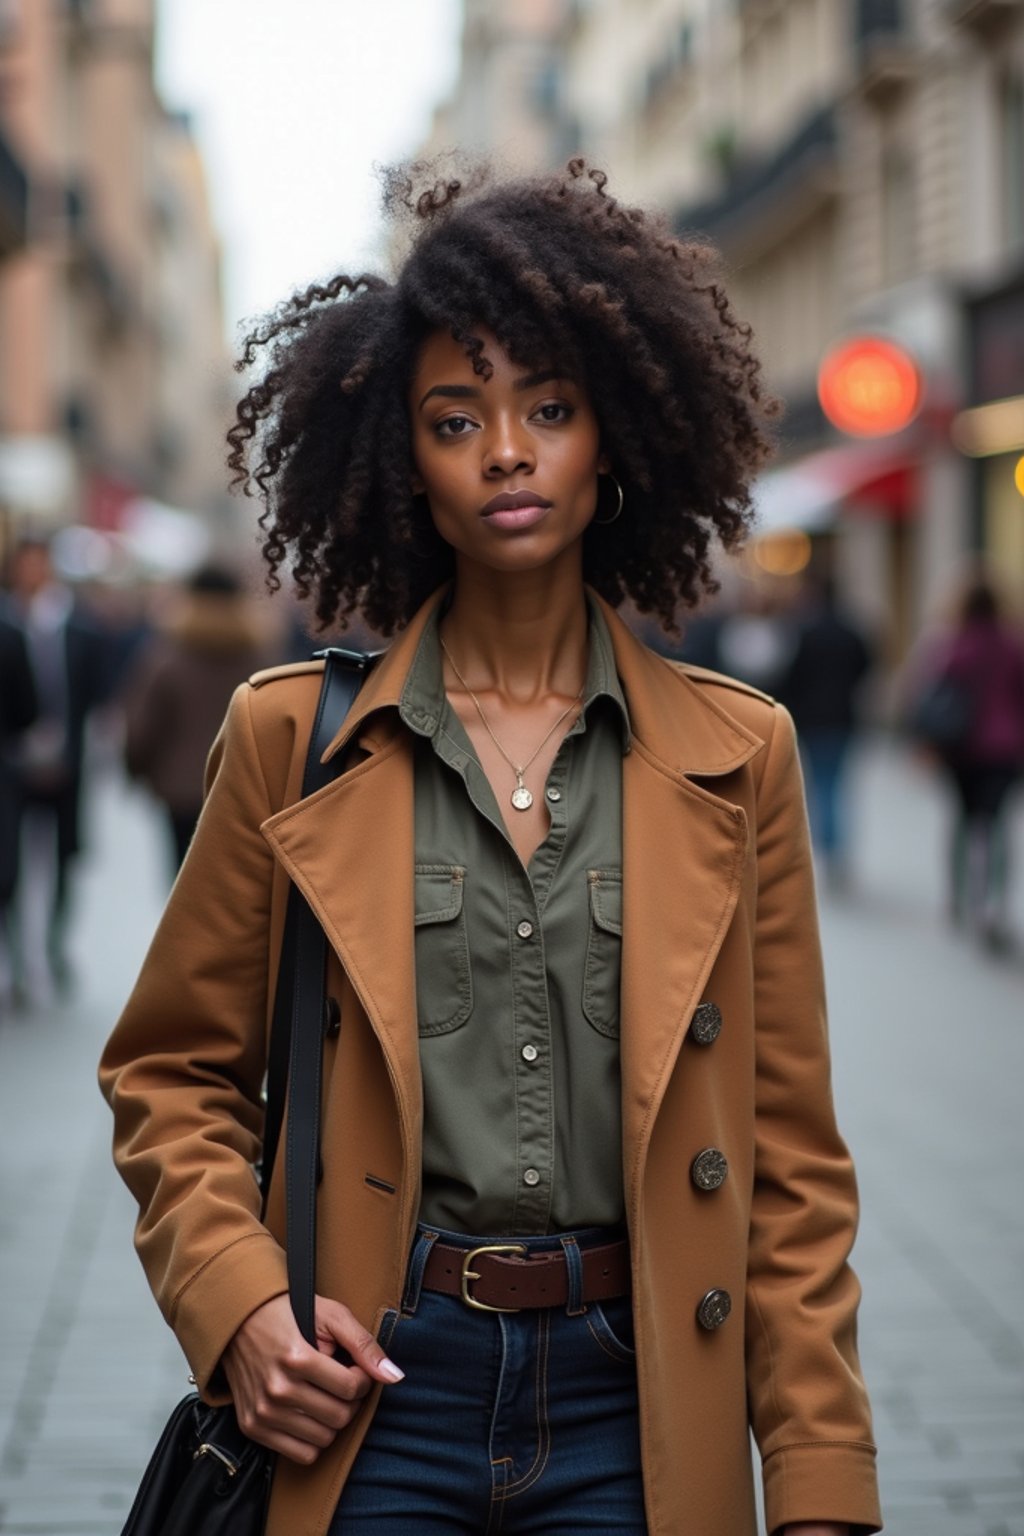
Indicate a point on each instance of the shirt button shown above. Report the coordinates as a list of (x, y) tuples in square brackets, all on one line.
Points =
[(531, 1177), (524, 929), (554, 794), (530, 1053)]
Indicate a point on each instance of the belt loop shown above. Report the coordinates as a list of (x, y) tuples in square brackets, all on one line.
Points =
[(574, 1305), (417, 1264)]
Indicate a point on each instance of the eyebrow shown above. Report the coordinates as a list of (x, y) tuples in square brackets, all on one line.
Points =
[(472, 391)]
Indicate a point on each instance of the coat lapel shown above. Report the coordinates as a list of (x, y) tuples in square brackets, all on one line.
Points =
[(683, 855)]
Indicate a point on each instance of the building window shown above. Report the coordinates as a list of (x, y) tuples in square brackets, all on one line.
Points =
[(1012, 137)]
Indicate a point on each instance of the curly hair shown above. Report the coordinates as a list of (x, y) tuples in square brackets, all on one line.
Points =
[(553, 267)]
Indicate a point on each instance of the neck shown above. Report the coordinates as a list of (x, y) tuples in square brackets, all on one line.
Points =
[(524, 636)]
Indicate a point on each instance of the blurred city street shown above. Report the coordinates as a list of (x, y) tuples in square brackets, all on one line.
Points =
[(928, 1085), (169, 173)]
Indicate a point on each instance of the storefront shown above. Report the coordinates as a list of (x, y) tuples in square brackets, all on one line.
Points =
[(991, 430)]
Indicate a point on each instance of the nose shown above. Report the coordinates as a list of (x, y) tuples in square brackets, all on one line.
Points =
[(507, 449)]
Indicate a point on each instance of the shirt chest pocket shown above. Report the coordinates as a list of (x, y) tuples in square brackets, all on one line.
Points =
[(444, 981), (603, 967)]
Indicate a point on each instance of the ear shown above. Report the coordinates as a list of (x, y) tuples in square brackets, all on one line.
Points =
[(604, 465), (416, 486)]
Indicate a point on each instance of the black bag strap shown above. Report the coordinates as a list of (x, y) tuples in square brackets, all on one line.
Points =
[(297, 1028)]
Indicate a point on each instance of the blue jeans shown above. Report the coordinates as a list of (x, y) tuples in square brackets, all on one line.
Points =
[(506, 1422)]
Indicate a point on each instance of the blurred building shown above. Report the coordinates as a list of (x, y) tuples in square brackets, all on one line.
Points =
[(860, 163), (507, 101), (114, 378)]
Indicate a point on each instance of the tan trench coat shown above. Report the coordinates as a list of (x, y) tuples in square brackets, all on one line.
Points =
[(718, 906)]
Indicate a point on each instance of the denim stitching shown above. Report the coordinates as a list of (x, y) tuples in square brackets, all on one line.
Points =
[(574, 1270), (543, 1455), (414, 1278), (497, 1461), (496, 1513), (611, 1346)]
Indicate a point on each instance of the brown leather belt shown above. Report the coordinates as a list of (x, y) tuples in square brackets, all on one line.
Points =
[(494, 1278)]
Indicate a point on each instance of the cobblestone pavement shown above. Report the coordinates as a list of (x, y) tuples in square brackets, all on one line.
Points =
[(928, 1039)]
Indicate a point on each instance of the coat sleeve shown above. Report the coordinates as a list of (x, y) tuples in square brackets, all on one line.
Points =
[(183, 1070), (808, 1402)]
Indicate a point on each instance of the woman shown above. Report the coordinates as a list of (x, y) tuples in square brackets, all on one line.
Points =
[(569, 902), (18, 709), (821, 686), (179, 691), (976, 671)]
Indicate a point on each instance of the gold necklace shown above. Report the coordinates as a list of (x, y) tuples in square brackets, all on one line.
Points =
[(520, 797)]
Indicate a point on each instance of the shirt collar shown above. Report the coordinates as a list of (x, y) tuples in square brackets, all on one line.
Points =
[(422, 702)]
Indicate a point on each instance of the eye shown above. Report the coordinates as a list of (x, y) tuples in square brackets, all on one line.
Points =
[(453, 426), (553, 411)]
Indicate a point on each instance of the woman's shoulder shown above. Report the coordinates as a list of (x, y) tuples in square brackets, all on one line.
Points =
[(278, 704), (268, 725), (730, 698), (708, 678), (750, 706), (295, 674)]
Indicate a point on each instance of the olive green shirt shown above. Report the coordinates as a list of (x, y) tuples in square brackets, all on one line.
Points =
[(517, 970)]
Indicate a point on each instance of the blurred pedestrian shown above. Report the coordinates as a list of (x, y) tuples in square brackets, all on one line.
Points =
[(821, 686), (967, 709), (752, 639), (18, 709), (553, 869), (72, 673), (179, 690)]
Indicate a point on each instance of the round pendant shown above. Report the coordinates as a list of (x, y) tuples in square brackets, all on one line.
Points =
[(521, 798)]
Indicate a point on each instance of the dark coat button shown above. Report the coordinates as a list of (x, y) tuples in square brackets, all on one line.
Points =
[(709, 1168), (706, 1025), (714, 1309), (332, 1016)]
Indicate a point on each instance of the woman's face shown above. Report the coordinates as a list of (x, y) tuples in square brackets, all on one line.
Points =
[(509, 464)]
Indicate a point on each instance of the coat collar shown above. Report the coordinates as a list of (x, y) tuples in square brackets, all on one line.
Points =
[(669, 714), (383, 688)]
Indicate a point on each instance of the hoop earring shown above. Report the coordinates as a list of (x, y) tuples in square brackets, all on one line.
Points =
[(604, 522)]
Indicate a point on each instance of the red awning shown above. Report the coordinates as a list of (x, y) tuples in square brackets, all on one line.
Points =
[(812, 491)]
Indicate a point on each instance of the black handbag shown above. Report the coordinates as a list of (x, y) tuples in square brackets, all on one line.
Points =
[(206, 1477)]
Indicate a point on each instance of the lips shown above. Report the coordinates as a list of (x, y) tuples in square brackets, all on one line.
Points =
[(513, 501)]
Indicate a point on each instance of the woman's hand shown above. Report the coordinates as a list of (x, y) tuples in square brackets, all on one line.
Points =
[(290, 1397), (816, 1528)]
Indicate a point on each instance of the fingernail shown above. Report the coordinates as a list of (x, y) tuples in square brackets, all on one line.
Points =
[(390, 1370)]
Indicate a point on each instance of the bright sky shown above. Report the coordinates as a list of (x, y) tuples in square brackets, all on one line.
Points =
[(293, 103)]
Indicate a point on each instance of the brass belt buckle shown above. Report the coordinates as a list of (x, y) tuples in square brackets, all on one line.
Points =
[(471, 1274)]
